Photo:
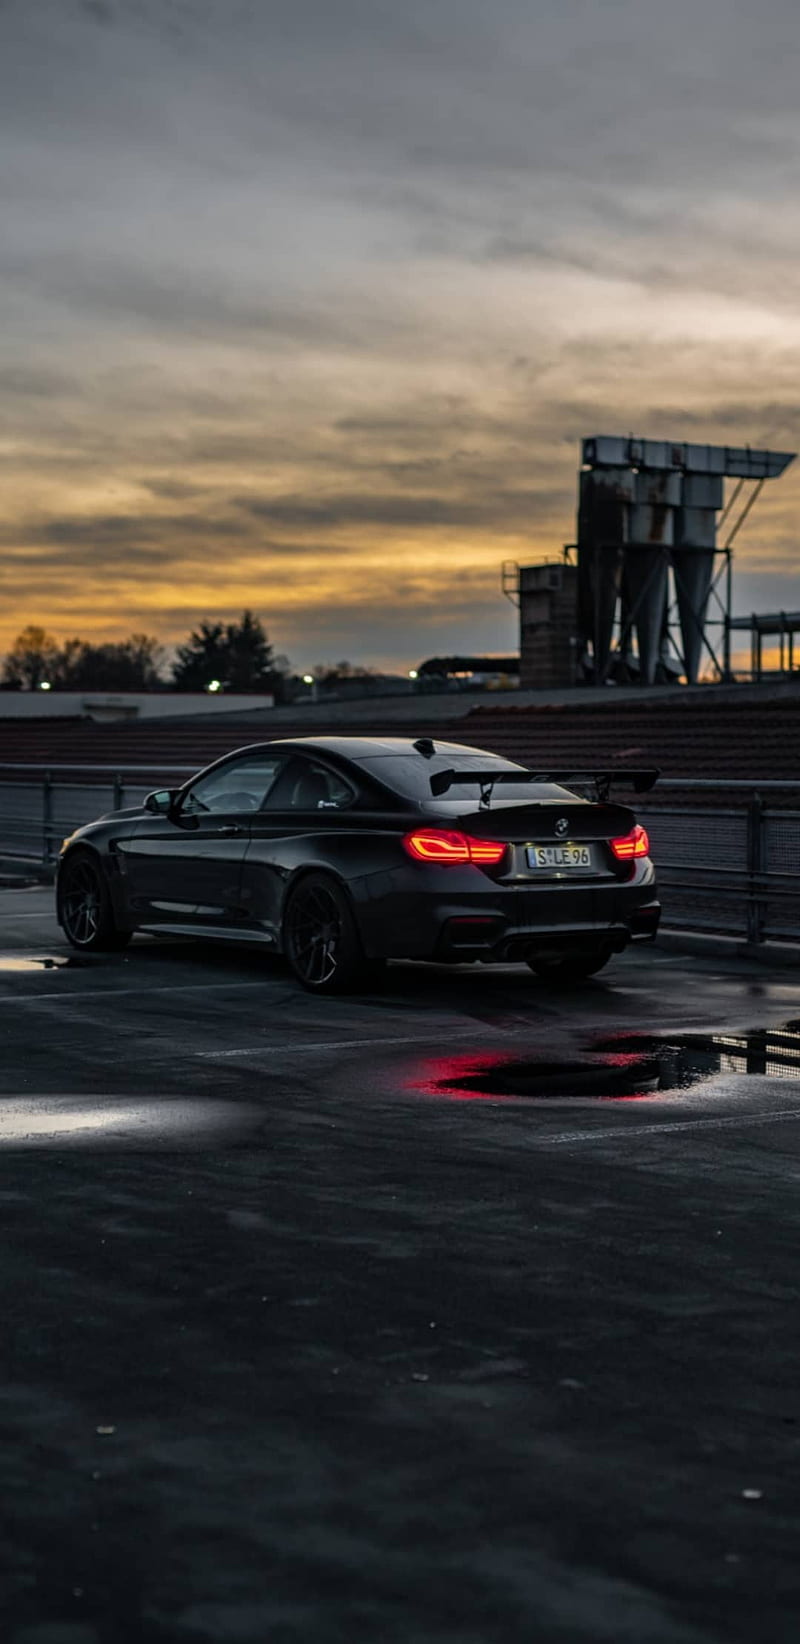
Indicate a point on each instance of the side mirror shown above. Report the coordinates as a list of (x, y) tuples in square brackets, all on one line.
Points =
[(159, 803)]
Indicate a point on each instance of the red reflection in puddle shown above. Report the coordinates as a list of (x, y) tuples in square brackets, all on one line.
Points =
[(443, 1076), (493, 1076)]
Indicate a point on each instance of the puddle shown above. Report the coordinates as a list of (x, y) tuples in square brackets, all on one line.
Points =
[(608, 1079), (627, 1067), (685, 1058)]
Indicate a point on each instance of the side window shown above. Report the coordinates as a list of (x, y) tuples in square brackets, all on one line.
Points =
[(242, 785), (306, 785)]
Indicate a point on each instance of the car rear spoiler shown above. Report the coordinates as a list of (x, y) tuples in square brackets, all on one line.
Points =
[(640, 780)]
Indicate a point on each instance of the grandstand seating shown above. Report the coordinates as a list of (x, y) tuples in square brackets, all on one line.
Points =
[(693, 735)]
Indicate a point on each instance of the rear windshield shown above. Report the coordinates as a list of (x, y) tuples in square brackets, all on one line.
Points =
[(410, 775)]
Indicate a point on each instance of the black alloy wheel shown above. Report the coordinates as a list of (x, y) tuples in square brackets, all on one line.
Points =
[(84, 907), (320, 939), (572, 968)]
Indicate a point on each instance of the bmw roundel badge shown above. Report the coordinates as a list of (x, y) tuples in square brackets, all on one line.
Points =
[(562, 826)]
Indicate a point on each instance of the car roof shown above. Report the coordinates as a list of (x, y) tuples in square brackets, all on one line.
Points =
[(373, 747)]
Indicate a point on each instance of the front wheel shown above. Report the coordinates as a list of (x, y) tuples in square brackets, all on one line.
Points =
[(84, 906), (320, 938), (573, 968)]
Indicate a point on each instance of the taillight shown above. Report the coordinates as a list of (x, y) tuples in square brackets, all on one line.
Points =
[(635, 843), (441, 845), (486, 850)]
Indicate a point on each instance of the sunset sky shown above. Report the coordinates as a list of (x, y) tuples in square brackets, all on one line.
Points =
[(305, 305)]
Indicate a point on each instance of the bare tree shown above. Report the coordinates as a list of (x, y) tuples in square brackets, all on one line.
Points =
[(33, 658)]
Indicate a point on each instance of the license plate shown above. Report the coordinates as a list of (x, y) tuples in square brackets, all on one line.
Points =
[(565, 857)]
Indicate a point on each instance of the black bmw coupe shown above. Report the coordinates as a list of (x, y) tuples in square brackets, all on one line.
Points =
[(341, 852)]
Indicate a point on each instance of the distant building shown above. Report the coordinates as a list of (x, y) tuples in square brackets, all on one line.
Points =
[(109, 706), (467, 673), (547, 597)]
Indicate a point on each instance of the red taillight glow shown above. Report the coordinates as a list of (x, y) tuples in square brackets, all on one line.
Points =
[(635, 843), (486, 850), (442, 845)]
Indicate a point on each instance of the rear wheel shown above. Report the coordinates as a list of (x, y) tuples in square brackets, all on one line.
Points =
[(320, 938), (84, 906), (573, 968)]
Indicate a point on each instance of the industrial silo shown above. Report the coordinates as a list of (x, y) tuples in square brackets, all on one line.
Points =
[(603, 511), (647, 543), (693, 558), (646, 563)]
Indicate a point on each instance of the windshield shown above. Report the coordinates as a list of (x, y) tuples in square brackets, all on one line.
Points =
[(410, 775)]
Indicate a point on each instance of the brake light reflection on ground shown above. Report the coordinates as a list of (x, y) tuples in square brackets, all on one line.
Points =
[(443, 1075), (621, 1076)]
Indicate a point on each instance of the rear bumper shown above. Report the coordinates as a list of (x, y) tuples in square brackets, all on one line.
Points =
[(644, 922), (462, 939), (457, 915)]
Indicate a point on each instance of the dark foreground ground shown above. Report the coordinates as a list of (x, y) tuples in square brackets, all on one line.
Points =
[(412, 1318)]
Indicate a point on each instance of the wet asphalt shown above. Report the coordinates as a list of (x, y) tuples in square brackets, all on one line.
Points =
[(462, 1310)]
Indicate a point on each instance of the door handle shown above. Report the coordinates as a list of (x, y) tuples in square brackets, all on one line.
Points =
[(231, 827)]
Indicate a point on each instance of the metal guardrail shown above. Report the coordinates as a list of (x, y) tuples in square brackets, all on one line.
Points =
[(731, 868), (732, 871), (40, 805)]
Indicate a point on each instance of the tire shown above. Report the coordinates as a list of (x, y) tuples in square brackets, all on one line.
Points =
[(575, 968), (320, 937), (84, 906)]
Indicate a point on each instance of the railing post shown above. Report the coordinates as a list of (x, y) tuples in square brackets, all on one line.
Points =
[(119, 793), (756, 838), (47, 819)]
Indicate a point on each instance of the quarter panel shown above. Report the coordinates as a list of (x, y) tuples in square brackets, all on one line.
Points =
[(351, 846)]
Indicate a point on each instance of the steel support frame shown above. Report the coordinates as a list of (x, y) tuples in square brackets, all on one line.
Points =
[(724, 570), (785, 635), (624, 627), (722, 552)]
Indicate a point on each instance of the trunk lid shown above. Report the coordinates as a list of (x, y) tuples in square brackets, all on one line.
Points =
[(544, 823)]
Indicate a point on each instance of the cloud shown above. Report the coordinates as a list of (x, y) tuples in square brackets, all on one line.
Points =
[(314, 303), (498, 510)]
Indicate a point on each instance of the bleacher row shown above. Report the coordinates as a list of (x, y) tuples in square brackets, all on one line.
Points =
[(687, 737)]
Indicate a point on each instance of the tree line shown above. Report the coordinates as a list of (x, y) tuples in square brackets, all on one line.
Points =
[(217, 656), (231, 656)]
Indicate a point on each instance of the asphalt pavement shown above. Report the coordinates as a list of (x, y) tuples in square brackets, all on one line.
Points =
[(462, 1310)]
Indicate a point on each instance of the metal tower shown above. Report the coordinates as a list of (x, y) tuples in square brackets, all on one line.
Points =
[(648, 551)]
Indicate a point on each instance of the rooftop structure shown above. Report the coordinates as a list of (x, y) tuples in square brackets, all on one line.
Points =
[(648, 554)]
